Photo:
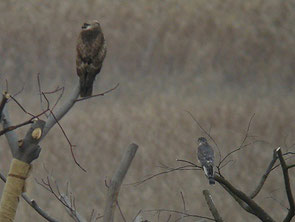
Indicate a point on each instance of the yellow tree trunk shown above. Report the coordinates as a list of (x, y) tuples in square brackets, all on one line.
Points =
[(13, 189)]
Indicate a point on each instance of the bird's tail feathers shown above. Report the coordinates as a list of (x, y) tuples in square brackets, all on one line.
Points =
[(209, 172), (211, 181), (86, 86)]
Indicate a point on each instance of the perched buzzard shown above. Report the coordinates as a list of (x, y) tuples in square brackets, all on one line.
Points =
[(205, 155), (91, 51)]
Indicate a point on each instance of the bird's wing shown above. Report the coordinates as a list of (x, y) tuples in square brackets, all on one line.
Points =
[(205, 154)]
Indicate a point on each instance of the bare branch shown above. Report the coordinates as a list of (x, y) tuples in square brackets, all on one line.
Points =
[(184, 206), (169, 217), (66, 199), (22, 107), (169, 170), (57, 116), (42, 93), (288, 189), (211, 206), (257, 210), (264, 176), (69, 142), (278, 202), (36, 207), (56, 119), (121, 212), (242, 143), (117, 181), (257, 189), (71, 209), (183, 201), (193, 164), (239, 201), (10, 128), (138, 217), (99, 94)]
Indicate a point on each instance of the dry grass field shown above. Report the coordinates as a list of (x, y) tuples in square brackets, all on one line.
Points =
[(221, 60)]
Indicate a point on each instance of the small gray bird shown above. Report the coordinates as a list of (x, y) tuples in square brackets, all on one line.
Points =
[(91, 51), (205, 155)]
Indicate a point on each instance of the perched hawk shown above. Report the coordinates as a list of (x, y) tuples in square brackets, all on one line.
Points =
[(205, 155), (91, 51)]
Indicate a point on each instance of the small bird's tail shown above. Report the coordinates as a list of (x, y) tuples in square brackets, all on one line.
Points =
[(209, 171), (211, 181)]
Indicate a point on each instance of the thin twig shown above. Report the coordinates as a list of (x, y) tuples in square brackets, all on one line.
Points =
[(137, 215), (59, 97), (121, 212), (242, 143), (64, 199), (69, 142), (99, 94), (183, 201), (184, 206), (278, 202), (186, 161), (21, 106), (10, 128), (169, 217), (163, 172)]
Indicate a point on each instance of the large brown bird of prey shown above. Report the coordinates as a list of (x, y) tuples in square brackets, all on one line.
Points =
[(205, 155), (91, 51)]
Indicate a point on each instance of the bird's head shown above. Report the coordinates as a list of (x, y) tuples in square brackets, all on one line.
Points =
[(91, 25), (91, 31), (202, 140)]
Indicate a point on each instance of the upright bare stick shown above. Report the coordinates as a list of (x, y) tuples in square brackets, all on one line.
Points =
[(211, 206), (116, 182)]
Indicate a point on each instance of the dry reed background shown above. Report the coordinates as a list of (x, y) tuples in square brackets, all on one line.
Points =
[(223, 61)]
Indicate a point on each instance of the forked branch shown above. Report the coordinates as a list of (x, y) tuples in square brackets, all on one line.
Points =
[(256, 209), (288, 189), (264, 176)]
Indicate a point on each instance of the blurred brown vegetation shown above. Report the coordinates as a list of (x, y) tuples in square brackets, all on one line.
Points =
[(221, 60)]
